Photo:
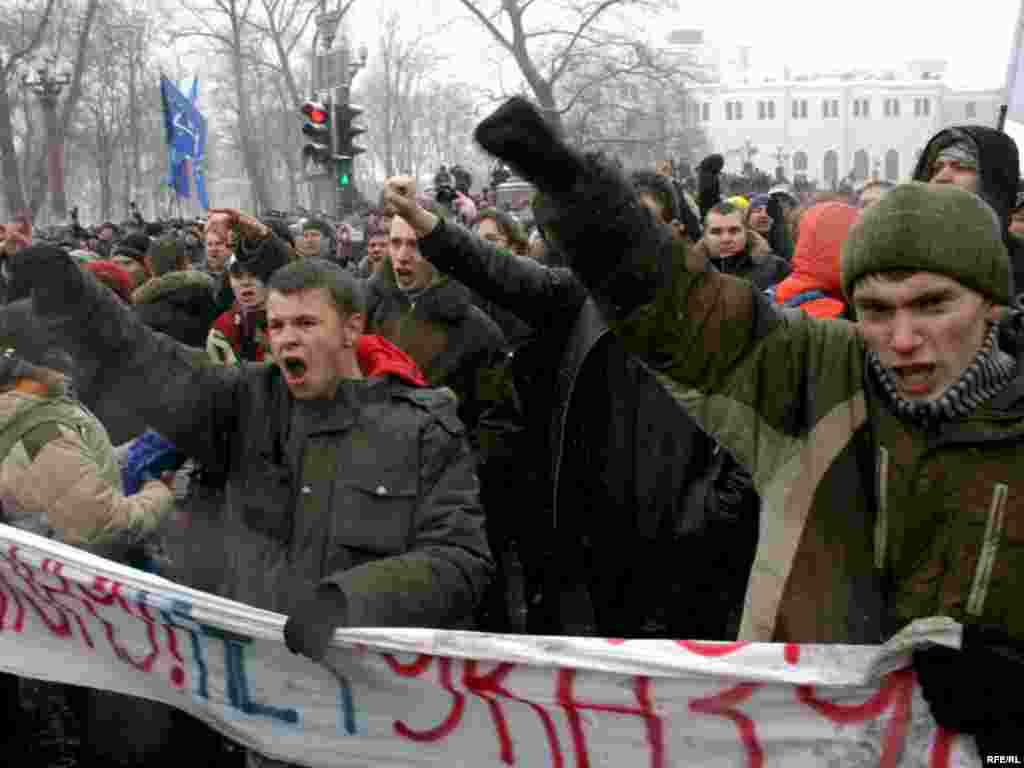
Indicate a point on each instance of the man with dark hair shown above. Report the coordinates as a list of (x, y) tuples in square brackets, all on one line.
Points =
[(317, 240), (737, 250), (352, 496)]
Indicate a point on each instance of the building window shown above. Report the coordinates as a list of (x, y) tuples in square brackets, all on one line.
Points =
[(970, 109), (734, 110), (922, 107), (800, 161), (705, 112), (799, 108), (831, 166), (766, 110), (860, 165), (892, 165), (861, 108), (830, 108), (892, 107)]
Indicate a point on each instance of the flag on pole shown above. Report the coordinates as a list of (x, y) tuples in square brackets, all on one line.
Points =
[(186, 133), (1015, 73)]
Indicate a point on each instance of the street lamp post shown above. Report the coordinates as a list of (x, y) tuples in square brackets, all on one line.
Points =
[(48, 88)]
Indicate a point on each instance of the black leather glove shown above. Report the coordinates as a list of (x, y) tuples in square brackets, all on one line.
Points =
[(53, 276), (309, 629), (976, 690)]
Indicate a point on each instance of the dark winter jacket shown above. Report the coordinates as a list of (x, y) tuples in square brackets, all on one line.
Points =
[(179, 304), (373, 491), (757, 263), (609, 452), (868, 522), (998, 177), (453, 341)]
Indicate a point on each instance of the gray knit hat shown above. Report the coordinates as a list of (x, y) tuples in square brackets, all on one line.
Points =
[(931, 228)]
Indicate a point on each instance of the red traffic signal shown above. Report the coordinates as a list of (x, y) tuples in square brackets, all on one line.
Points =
[(316, 113)]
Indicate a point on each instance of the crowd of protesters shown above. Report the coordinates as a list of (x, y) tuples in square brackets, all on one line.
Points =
[(728, 409)]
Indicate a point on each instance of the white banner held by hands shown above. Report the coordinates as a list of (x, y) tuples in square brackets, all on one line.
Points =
[(411, 697)]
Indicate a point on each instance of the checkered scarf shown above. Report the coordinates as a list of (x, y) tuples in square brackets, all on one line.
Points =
[(986, 376)]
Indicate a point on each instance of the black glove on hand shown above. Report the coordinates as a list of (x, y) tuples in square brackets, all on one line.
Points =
[(310, 627), (592, 212), (976, 690), (54, 277), (518, 134)]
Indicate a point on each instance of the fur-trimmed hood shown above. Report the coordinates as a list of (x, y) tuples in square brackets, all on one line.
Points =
[(158, 288)]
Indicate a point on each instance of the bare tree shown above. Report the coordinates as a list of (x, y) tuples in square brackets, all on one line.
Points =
[(392, 93), (230, 27), (590, 43), (23, 31)]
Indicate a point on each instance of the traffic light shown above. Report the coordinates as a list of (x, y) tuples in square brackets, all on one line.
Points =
[(343, 164), (317, 127), (346, 131)]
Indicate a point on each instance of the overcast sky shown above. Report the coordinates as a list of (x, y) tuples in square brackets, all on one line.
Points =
[(974, 38)]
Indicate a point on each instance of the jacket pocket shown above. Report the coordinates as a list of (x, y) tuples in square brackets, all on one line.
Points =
[(266, 499), (376, 516)]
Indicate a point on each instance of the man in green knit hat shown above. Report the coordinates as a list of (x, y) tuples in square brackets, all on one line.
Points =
[(886, 451)]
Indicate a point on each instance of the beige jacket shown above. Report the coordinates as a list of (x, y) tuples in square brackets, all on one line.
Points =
[(63, 482)]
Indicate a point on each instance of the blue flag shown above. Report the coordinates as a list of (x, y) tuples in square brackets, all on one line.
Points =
[(186, 132)]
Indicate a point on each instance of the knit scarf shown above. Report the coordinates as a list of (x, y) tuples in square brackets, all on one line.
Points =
[(986, 376)]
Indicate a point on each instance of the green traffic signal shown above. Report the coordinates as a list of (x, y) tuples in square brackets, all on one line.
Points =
[(344, 170)]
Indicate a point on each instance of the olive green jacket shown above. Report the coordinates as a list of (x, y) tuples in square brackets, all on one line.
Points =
[(867, 523)]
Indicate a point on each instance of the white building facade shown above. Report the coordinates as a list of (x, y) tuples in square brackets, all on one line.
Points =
[(829, 129)]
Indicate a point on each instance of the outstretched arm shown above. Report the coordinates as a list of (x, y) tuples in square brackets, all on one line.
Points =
[(171, 387), (540, 296)]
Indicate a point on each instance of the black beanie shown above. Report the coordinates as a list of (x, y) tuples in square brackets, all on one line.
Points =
[(134, 245), (261, 262)]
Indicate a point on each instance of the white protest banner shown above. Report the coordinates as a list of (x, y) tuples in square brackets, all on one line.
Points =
[(1015, 73), (390, 698)]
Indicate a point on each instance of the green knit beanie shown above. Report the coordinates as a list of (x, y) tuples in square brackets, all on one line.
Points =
[(931, 228)]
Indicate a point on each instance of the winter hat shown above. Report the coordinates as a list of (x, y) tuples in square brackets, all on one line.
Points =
[(164, 255), (761, 200), (931, 228), (318, 224), (739, 201), (114, 276), (134, 245), (262, 263)]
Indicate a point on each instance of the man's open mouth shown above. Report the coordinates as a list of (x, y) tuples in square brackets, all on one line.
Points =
[(294, 367), (915, 379)]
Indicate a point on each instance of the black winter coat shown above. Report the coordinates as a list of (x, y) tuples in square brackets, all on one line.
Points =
[(373, 491), (610, 453), (453, 341), (180, 304)]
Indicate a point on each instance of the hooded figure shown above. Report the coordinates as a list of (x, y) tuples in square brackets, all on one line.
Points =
[(813, 286), (998, 164)]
